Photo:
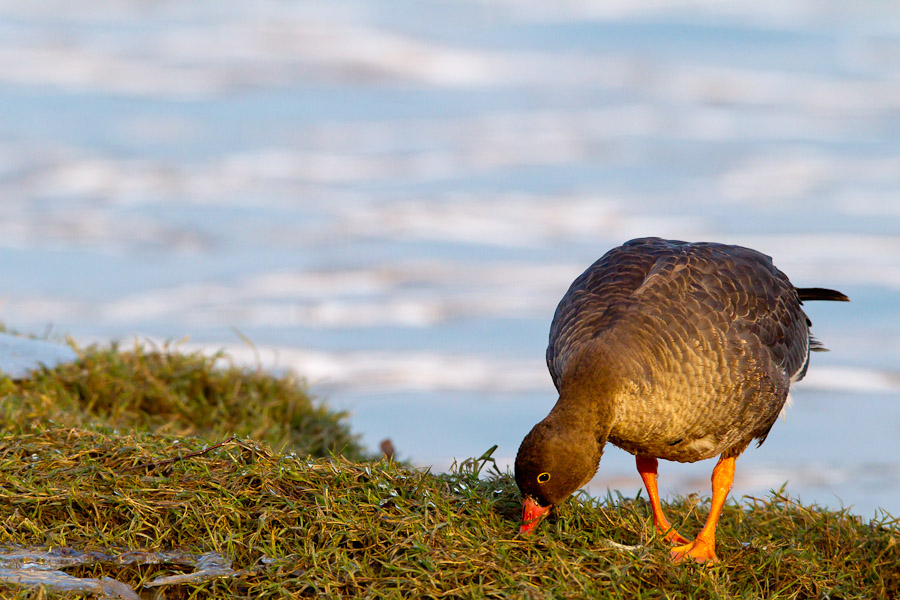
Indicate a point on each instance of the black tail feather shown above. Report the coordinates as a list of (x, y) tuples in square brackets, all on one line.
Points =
[(821, 294), (816, 346)]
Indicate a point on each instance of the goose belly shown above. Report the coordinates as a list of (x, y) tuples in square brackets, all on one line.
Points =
[(693, 426)]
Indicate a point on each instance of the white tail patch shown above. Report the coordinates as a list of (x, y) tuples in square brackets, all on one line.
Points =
[(787, 404)]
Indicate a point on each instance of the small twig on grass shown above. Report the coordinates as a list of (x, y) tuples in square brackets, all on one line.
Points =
[(618, 546), (171, 461)]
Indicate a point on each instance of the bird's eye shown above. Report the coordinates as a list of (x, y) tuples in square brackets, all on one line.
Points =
[(543, 477)]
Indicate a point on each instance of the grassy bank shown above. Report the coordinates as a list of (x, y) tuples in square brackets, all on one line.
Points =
[(182, 395), (111, 468)]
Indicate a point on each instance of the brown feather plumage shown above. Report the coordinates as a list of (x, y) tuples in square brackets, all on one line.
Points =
[(697, 343)]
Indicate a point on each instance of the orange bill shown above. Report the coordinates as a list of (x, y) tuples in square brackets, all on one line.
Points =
[(532, 513)]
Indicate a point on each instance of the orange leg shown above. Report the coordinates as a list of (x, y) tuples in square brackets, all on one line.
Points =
[(703, 548), (646, 466)]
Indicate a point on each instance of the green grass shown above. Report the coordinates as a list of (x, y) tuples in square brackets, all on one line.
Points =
[(83, 473), (179, 394)]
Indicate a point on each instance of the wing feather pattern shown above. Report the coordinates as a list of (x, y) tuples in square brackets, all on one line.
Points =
[(714, 334)]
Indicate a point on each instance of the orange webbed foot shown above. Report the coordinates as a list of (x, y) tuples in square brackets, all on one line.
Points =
[(647, 468), (699, 551), (703, 549), (673, 537)]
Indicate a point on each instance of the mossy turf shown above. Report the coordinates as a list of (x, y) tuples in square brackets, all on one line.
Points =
[(297, 526), (181, 394)]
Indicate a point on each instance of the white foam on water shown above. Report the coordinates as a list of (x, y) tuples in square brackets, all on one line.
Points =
[(853, 379), (381, 371), (187, 58), (274, 45), (832, 258), (418, 293), (789, 174), (395, 371)]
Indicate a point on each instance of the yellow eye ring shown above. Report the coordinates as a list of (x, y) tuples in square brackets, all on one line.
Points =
[(543, 477)]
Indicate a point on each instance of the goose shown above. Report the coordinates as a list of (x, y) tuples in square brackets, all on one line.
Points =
[(669, 350)]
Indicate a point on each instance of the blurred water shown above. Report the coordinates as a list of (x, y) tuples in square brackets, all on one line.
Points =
[(391, 198)]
